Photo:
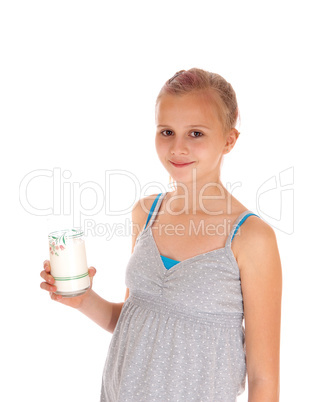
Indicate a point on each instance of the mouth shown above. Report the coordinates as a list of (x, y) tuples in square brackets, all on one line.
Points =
[(180, 165)]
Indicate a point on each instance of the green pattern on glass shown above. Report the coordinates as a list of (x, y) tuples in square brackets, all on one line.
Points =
[(57, 240), (70, 278)]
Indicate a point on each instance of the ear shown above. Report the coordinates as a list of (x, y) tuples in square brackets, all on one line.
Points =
[(231, 139)]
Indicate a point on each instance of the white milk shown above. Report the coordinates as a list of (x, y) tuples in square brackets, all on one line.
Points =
[(68, 262)]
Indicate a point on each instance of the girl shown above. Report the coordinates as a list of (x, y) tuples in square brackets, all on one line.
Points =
[(201, 263)]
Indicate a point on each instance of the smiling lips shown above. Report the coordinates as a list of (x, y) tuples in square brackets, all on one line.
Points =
[(181, 164)]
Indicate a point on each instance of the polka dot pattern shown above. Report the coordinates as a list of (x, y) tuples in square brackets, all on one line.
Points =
[(180, 334)]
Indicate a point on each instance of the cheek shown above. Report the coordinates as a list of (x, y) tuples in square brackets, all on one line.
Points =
[(160, 146), (204, 152), (200, 148)]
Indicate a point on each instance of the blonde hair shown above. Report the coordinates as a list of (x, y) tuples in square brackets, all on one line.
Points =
[(172, 183), (194, 80)]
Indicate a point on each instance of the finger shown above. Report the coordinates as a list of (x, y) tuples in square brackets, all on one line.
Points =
[(48, 278), (49, 288), (55, 297), (46, 265), (92, 271)]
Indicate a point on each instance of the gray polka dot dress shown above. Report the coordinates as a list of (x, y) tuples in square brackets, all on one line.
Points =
[(180, 334)]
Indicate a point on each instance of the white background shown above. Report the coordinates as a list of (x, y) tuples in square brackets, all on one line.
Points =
[(78, 86)]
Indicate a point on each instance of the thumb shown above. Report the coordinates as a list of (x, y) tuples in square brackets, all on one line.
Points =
[(92, 272)]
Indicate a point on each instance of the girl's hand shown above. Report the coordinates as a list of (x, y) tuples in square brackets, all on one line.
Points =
[(48, 285)]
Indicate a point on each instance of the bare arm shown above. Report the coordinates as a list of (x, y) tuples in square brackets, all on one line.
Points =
[(101, 311), (261, 282), (90, 303)]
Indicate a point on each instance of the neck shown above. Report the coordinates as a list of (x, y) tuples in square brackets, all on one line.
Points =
[(209, 197)]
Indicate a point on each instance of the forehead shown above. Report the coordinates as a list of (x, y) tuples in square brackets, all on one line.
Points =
[(196, 108)]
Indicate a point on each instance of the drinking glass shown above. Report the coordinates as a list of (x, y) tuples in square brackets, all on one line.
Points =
[(68, 262)]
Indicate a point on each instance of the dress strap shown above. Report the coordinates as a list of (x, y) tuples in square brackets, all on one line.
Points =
[(154, 209), (238, 222)]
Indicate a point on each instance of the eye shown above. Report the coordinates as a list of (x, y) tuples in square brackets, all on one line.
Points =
[(166, 133), (197, 134)]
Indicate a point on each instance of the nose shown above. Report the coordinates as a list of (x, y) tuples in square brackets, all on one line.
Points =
[(179, 146)]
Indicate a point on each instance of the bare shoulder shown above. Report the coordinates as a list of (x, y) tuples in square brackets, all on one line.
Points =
[(261, 283), (254, 241), (141, 209), (140, 213)]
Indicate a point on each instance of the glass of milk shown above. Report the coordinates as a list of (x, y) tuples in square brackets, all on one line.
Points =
[(68, 262)]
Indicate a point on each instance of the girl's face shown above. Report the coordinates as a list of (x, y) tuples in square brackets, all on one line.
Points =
[(189, 136)]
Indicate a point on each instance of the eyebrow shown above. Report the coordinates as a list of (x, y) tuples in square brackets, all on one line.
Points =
[(191, 125)]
